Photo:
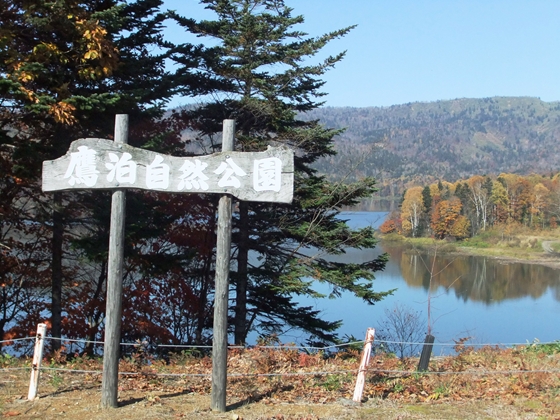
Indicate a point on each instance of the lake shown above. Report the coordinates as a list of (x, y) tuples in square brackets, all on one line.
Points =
[(491, 302)]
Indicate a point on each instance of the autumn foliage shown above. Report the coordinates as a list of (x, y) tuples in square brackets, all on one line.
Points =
[(390, 226), (445, 216), (466, 207)]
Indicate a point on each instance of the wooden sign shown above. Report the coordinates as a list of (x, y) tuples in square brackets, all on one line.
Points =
[(103, 164)]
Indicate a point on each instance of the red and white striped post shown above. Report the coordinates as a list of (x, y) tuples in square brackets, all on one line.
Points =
[(366, 353)]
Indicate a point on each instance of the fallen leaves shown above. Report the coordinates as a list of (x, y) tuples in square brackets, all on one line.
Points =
[(275, 376)]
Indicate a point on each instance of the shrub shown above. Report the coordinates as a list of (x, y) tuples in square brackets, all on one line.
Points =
[(394, 237), (404, 328)]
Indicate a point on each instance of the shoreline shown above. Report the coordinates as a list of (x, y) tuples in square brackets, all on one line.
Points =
[(541, 258), (547, 257)]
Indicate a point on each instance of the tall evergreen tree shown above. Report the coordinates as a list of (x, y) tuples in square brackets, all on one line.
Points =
[(264, 82), (67, 68)]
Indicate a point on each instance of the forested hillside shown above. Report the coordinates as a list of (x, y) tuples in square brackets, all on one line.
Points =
[(417, 143)]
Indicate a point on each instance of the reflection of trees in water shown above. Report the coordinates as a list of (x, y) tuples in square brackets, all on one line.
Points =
[(479, 281), (476, 278), (409, 269), (557, 291)]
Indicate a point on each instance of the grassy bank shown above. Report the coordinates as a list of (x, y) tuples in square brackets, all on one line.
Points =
[(519, 245)]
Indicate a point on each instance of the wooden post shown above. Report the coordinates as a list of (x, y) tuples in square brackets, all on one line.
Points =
[(37, 357), (426, 353), (111, 348), (223, 251), (366, 354)]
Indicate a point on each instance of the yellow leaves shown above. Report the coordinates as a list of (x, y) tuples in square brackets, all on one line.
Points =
[(411, 209), (91, 55), (25, 77), (63, 112), (460, 229), (46, 46), (450, 186), (475, 181), (31, 96), (21, 75), (98, 49), (43, 74)]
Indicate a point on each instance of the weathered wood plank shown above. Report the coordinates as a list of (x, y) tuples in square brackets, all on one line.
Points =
[(103, 164), (223, 252), (111, 347)]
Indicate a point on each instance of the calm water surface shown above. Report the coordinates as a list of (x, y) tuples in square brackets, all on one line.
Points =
[(477, 297)]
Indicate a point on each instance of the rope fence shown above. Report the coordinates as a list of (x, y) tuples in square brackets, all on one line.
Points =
[(403, 373), (41, 337), (283, 346)]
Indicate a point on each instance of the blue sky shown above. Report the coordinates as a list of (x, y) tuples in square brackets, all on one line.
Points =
[(427, 50)]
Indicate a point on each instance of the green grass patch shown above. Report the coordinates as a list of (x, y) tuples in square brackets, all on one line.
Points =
[(431, 245), (334, 382), (546, 348), (425, 242), (475, 242), (56, 380), (555, 246), (393, 237)]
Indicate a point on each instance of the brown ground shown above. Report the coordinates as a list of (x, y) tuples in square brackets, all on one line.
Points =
[(482, 393)]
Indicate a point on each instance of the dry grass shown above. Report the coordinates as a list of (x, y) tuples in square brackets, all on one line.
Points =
[(514, 244), (466, 386)]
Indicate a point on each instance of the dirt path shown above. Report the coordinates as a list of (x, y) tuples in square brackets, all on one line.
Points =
[(84, 404)]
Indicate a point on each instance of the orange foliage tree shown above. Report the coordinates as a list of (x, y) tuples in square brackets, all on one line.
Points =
[(445, 216)]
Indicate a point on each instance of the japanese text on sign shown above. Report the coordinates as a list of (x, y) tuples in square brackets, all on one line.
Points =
[(83, 170), (99, 163)]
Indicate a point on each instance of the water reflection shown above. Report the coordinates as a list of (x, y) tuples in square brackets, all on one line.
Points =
[(471, 278), (475, 297)]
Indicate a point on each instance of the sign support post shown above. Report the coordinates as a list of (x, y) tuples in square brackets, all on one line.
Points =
[(111, 348), (223, 252)]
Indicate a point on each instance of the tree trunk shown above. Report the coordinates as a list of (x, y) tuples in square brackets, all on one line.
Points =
[(96, 314), (240, 323), (56, 273), (206, 279)]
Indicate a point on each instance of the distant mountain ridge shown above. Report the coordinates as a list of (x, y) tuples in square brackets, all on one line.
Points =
[(419, 142)]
